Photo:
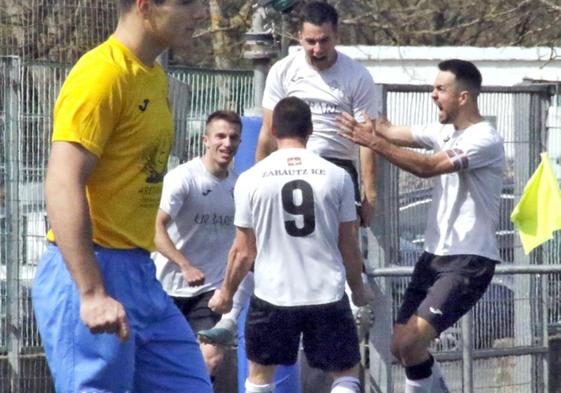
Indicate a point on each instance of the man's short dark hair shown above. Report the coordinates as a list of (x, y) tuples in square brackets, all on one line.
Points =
[(466, 73), (229, 116), (317, 13), (292, 118), (124, 5)]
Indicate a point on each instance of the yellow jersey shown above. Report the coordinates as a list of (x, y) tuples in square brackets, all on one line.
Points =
[(118, 108)]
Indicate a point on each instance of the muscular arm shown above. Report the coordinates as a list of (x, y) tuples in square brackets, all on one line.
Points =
[(421, 165), (368, 173), (266, 144), (166, 247), (352, 260), (240, 259), (398, 135), (70, 165)]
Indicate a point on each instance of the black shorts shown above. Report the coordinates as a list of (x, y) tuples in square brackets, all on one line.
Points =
[(444, 288), (349, 166), (196, 311), (272, 334)]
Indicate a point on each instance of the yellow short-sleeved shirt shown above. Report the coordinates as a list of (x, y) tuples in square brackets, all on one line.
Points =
[(117, 108)]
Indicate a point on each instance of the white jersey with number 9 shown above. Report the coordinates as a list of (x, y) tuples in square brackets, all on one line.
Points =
[(294, 201)]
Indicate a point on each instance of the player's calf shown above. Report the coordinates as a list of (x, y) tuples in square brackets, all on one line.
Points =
[(213, 356)]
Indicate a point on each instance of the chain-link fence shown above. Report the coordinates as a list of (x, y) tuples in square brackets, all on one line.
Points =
[(28, 92), (38, 39), (55, 30), (506, 341)]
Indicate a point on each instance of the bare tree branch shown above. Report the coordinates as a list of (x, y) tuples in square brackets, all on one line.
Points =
[(550, 5)]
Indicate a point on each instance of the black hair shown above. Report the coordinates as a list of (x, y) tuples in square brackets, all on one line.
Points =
[(229, 116), (466, 73), (292, 118), (318, 13)]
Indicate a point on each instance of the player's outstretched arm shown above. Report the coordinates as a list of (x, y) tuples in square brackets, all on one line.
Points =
[(350, 251), (240, 259), (422, 165), (166, 247), (70, 165), (381, 127), (266, 144)]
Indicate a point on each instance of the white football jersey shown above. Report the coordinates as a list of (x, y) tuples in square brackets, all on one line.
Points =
[(294, 201), (346, 86), (202, 210), (464, 213)]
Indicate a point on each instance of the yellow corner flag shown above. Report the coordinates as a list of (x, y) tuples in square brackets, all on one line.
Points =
[(538, 214)]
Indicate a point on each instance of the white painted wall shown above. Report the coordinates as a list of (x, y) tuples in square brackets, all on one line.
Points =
[(506, 66), (554, 137)]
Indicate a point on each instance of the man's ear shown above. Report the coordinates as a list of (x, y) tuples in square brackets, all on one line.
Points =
[(465, 96), (273, 132), (144, 6)]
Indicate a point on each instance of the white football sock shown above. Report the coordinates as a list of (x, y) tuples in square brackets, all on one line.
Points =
[(253, 388), (418, 385), (346, 385), (438, 382), (241, 298)]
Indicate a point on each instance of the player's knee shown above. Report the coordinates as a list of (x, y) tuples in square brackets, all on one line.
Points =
[(409, 348), (397, 341), (394, 349)]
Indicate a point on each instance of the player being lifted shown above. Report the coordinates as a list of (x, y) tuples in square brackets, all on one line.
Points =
[(467, 165)]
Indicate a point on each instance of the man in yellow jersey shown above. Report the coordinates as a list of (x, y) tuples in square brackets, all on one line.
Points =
[(105, 321)]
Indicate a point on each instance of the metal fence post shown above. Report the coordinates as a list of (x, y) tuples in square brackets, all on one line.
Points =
[(538, 120), (13, 243), (530, 112), (382, 250), (545, 331), (378, 378), (524, 165), (467, 352)]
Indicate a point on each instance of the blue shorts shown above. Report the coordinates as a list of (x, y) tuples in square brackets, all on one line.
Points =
[(161, 354)]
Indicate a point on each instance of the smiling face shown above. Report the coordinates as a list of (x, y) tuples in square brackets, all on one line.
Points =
[(447, 96), (318, 43), (173, 22), (221, 140)]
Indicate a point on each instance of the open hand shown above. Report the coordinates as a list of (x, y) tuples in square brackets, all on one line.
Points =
[(383, 125), (360, 133)]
